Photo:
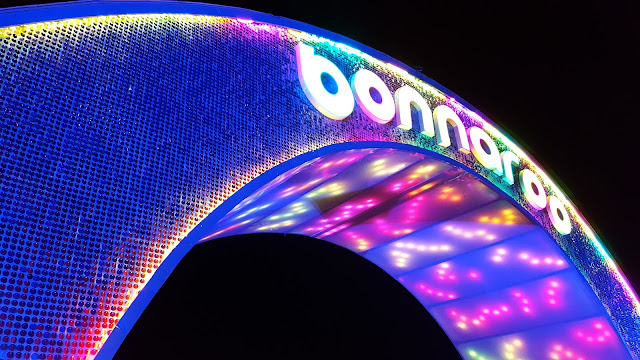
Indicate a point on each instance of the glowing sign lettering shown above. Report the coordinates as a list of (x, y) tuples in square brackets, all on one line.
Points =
[(480, 143), (407, 97), (375, 99), (311, 69), (532, 188), (382, 111)]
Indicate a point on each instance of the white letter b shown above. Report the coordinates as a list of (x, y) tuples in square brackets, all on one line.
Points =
[(335, 105)]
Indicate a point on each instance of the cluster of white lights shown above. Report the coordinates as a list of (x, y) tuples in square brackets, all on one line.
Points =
[(470, 234), (335, 230), (464, 321), (560, 352), (296, 209), (332, 189), (431, 248), (511, 349), (402, 256), (502, 254), (542, 261), (361, 242)]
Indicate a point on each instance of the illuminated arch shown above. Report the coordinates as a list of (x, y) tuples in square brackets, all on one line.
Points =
[(107, 172)]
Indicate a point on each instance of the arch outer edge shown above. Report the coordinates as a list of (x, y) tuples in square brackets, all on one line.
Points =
[(62, 11)]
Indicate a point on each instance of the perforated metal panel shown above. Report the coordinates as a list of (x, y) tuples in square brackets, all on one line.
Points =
[(118, 134)]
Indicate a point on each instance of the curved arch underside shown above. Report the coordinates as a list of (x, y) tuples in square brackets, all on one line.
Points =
[(121, 133), (494, 280), (286, 297)]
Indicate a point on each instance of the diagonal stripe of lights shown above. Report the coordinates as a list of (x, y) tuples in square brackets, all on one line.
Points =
[(465, 287)]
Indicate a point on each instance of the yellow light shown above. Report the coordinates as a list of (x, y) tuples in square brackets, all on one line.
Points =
[(517, 343)]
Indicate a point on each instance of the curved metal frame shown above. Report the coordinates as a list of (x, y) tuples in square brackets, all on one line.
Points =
[(628, 304)]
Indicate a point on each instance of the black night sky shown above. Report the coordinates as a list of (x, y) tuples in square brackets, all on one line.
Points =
[(560, 77)]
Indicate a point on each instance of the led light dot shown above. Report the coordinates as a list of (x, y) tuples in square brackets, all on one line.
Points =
[(178, 210)]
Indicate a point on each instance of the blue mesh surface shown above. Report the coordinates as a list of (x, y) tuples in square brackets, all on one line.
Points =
[(118, 134)]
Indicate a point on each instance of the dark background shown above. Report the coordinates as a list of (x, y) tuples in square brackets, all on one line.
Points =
[(560, 77), (269, 296)]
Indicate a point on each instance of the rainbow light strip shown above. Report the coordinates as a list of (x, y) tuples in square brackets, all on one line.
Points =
[(392, 69)]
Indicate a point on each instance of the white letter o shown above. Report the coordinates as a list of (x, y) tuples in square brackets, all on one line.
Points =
[(533, 190), (362, 82), (490, 160), (558, 215)]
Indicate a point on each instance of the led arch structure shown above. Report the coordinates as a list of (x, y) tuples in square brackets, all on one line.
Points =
[(131, 131)]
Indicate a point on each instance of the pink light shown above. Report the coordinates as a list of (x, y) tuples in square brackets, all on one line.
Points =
[(438, 293), (601, 334)]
